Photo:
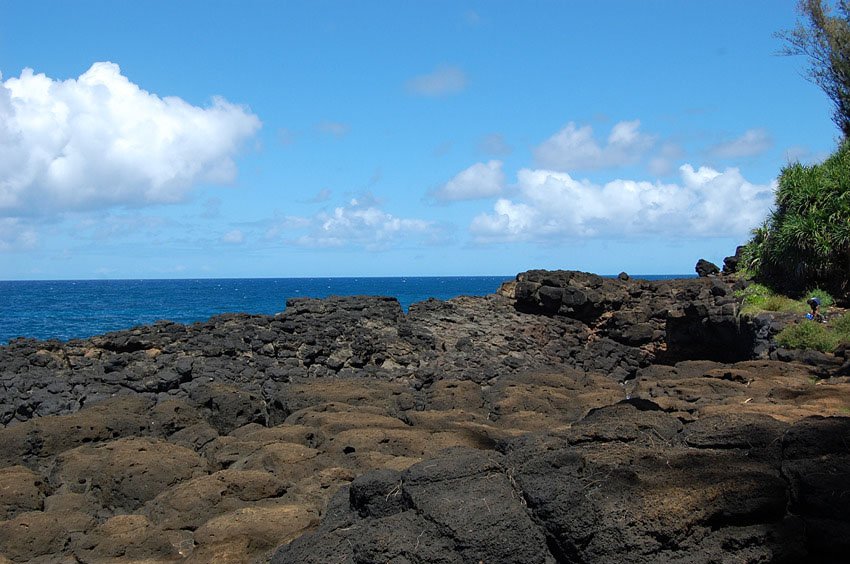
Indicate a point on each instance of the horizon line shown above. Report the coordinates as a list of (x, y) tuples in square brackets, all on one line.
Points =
[(511, 276)]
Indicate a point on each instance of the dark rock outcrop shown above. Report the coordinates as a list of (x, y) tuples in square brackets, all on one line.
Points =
[(706, 268), (663, 320), (459, 507), (731, 264), (635, 489)]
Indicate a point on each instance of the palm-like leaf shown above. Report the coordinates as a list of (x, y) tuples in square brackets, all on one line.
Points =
[(805, 241)]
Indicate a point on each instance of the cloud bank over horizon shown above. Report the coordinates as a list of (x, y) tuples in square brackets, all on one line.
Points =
[(550, 203), (360, 222), (552, 206), (100, 140)]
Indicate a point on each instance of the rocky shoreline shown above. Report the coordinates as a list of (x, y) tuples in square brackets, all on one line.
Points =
[(565, 418)]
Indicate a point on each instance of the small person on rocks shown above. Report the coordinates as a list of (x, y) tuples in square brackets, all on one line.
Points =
[(814, 303)]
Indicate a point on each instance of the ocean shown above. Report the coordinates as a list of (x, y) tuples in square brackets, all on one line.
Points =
[(73, 309)]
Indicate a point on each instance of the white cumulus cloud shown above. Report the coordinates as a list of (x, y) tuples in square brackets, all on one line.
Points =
[(442, 81), (553, 205), (575, 148), (359, 223), (100, 140), (481, 180), (753, 142)]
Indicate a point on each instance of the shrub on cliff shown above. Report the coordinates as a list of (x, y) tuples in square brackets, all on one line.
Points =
[(807, 335), (813, 335), (758, 297), (805, 242)]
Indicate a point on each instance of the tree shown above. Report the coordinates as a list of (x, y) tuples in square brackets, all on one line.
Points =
[(805, 243), (824, 37)]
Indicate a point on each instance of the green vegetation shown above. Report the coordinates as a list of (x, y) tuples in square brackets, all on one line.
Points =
[(842, 326), (805, 242), (758, 297), (824, 297), (824, 37), (813, 335), (754, 294), (806, 334)]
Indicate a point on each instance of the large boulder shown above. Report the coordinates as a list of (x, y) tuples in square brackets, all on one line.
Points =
[(124, 474), (38, 536), (459, 507), (250, 531), (705, 268), (625, 503), (191, 503), (127, 537), (732, 263)]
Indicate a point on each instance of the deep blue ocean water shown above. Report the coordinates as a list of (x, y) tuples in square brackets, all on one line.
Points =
[(77, 309)]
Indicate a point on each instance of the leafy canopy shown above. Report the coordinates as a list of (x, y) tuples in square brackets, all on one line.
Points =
[(824, 37), (805, 242)]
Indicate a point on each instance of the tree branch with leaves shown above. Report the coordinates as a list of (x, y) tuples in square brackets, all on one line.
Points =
[(823, 36)]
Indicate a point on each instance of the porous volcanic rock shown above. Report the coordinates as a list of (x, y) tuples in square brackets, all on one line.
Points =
[(543, 320), (565, 418), (617, 487), (459, 507), (633, 323)]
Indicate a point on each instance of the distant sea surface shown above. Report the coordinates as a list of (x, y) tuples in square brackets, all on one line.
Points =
[(72, 309)]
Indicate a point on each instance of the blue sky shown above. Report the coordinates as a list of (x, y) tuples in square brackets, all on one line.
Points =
[(382, 138)]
